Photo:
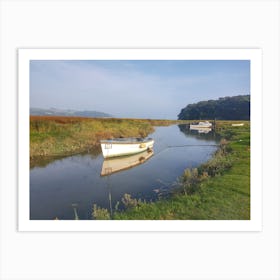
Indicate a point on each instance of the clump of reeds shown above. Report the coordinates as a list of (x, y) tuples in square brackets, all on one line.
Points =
[(220, 162), (130, 202), (191, 180), (99, 213)]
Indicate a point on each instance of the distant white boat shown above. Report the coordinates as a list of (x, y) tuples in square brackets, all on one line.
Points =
[(125, 146), (237, 124), (116, 164), (205, 124)]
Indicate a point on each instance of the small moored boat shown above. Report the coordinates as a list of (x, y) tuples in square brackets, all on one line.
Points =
[(125, 146), (237, 124), (205, 124)]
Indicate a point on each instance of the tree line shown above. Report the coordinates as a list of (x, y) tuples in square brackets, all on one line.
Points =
[(225, 108)]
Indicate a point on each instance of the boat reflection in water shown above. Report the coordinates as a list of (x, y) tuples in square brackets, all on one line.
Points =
[(116, 164), (204, 130)]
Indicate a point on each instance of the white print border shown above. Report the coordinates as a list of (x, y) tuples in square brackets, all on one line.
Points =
[(255, 57)]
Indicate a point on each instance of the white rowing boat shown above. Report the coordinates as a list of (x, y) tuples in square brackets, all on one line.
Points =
[(125, 146)]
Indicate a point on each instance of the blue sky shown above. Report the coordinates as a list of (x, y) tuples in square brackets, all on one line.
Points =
[(135, 88)]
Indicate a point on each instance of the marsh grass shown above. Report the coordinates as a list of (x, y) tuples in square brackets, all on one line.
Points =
[(56, 136)]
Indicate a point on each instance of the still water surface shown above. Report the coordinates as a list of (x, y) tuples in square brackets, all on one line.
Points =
[(68, 187)]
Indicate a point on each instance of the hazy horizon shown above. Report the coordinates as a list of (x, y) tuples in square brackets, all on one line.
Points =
[(156, 89)]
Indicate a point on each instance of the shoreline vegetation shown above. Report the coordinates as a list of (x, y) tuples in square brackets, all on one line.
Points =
[(217, 190), (62, 136)]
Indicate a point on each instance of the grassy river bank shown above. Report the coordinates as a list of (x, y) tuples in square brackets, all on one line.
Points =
[(217, 190), (59, 136)]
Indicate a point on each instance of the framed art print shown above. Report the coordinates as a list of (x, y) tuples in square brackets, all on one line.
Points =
[(139, 139)]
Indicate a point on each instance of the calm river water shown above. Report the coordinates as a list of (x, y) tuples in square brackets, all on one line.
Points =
[(67, 188)]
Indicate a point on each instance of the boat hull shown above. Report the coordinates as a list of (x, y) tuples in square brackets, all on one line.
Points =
[(117, 148)]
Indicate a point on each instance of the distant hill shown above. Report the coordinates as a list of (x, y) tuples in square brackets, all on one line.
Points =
[(72, 113), (225, 108)]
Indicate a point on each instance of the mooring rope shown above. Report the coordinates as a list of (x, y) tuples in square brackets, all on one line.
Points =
[(181, 146), (189, 145)]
